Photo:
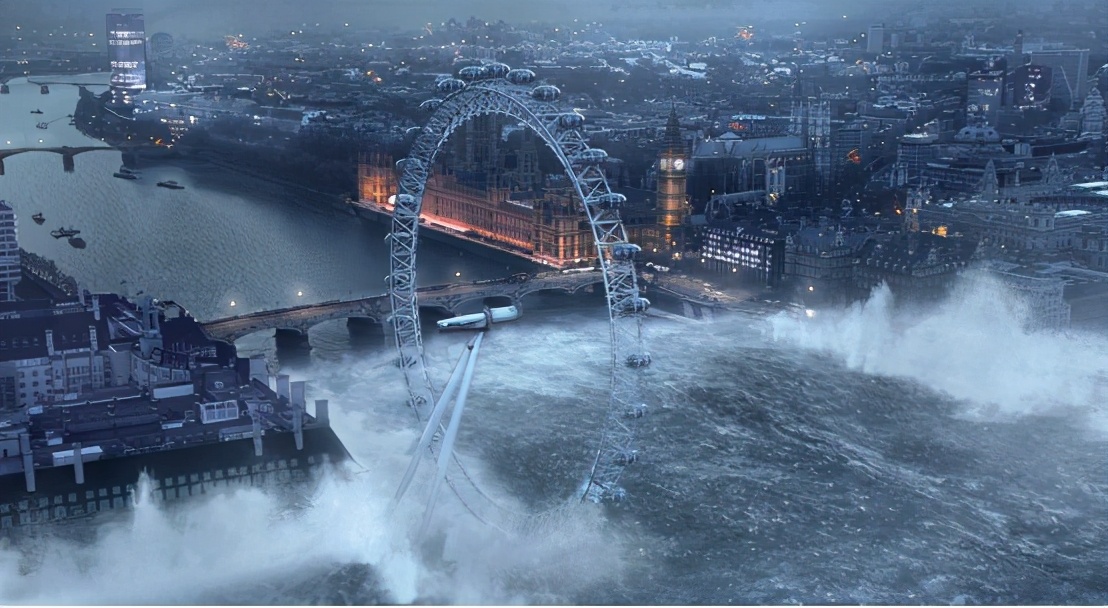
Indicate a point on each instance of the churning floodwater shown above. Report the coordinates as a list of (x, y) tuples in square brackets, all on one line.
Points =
[(865, 455)]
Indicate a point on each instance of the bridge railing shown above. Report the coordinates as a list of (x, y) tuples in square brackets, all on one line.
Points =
[(538, 281)]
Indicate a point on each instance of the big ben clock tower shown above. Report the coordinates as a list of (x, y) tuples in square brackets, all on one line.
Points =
[(671, 184)]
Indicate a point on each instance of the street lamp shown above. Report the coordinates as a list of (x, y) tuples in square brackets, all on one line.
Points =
[(232, 303), (299, 294)]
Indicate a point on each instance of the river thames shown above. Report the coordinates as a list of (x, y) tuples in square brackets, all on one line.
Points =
[(857, 457)]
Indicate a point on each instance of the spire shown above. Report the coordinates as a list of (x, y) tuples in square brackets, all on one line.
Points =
[(673, 141), (1052, 175), (989, 186)]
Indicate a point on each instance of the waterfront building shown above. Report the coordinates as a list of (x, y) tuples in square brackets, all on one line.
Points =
[(547, 226), (376, 178), (9, 253), (1043, 298), (126, 55), (919, 264), (820, 260), (493, 214), (58, 351), (745, 250)]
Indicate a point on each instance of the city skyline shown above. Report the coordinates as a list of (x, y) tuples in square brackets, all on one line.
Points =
[(743, 303)]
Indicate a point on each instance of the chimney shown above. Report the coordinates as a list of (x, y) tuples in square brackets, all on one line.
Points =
[(296, 396), (283, 387)]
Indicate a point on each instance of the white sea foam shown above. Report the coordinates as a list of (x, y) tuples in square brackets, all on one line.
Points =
[(972, 346), (244, 544)]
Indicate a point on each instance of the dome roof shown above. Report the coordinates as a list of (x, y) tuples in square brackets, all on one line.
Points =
[(977, 134)]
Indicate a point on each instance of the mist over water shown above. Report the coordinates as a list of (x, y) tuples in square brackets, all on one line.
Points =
[(338, 544), (974, 346), (783, 461)]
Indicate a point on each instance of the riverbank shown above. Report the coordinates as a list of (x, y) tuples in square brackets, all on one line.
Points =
[(47, 276)]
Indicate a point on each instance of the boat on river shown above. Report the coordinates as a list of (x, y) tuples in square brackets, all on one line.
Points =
[(64, 233), (39, 218)]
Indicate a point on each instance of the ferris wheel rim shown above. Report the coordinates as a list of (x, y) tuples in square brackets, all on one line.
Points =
[(600, 205)]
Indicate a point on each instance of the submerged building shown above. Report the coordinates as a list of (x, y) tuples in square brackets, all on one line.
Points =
[(98, 389)]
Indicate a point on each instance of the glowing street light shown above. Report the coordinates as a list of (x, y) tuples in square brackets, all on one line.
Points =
[(232, 303), (457, 274), (300, 294)]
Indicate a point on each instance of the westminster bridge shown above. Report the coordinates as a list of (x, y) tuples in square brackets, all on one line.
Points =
[(445, 298), (297, 320)]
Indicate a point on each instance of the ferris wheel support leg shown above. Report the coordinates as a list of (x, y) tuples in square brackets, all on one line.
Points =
[(433, 423), (447, 449)]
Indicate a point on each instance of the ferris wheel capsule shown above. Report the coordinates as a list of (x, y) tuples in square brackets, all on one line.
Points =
[(611, 200), (590, 155), (546, 92), (497, 70), (626, 251), (471, 73), (450, 85), (521, 76), (571, 120)]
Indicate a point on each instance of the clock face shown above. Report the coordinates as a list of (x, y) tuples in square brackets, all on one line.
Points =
[(663, 164), (679, 164)]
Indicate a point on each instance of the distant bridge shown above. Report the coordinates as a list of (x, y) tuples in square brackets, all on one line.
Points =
[(447, 298), (67, 153)]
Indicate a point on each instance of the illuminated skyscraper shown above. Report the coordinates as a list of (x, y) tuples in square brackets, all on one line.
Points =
[(126, 53)]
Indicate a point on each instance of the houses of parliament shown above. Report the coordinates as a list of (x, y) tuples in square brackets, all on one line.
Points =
[(498, 184)]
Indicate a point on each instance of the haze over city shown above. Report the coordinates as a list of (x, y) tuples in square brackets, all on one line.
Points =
[(589, 302)]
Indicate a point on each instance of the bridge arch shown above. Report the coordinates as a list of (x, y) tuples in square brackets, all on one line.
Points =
[(66, 152), (510, 93)]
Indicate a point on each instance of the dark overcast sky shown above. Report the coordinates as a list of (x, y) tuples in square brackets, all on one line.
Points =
[(214, 17), (689, 18)]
